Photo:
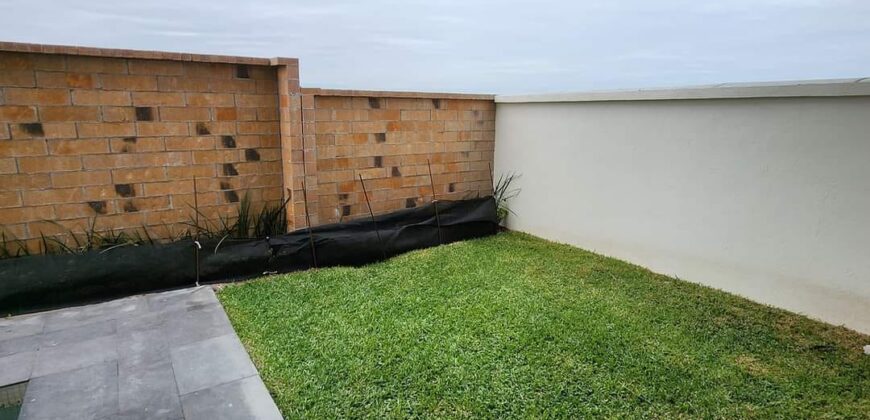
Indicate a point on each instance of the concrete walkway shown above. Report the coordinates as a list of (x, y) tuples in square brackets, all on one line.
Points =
[(170, 355)]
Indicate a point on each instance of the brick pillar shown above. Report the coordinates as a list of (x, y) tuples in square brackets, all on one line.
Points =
[(290, 115)]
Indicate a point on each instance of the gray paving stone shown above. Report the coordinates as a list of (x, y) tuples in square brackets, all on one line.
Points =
[(77, 334), (66, 357), (243, 399), (148, 391), (87, 393), (210, 362), (142, 347), (20, 326), (83, 315), (16, 368), (181, 299), (196, 324), (19, 344)]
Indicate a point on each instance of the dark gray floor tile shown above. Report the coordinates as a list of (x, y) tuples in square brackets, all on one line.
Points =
[(16, 367), (77, 334), (83, 315), (142, 347), (75, 356), (148, 391), (210, 362), (87, 393), (196, 324), (20, 326), (181, 299), (243, 399), (19, 344)]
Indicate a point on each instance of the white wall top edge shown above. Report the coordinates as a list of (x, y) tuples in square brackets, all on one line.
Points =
[(782, 89)]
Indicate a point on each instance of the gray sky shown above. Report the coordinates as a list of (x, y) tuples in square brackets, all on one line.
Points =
[(500, 46)]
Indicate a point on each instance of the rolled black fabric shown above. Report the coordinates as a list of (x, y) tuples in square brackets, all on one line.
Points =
[(44, 281)]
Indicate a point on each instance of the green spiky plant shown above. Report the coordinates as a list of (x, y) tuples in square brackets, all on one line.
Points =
[(503, 193)]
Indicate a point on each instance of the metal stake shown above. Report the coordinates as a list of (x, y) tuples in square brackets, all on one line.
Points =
[(435, 202), (372, 214), (308, 222)]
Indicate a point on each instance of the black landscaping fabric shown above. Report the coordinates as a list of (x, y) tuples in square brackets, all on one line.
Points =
[(43, 281)]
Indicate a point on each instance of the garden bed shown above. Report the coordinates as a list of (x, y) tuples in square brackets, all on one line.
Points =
[(517, 326)]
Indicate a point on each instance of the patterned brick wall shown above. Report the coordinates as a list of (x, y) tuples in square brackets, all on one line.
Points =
[(388, 140), (117, 136), (121, 139)]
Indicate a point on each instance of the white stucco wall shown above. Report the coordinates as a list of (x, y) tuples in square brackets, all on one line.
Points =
[(764, 193)]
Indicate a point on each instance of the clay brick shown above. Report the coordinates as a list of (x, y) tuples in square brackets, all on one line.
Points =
[(184, 114), (333, 102), (118, 114), (17, 113), (167, 188), (53, 196), (182, 84), (83, 210), (188, 172), (127, 82), (37, 96), (15, 61), (158, 99), (78, 179), (257, 127), (86, 64), (42, 164), (213, 128), (136, 144), (209, 70), (106, 129), (210, 99), (415, 115), (7, 166), (4, 131), (124, 176), (216, 156), (225, 114), (25, 214), (65, 80), (257, 101), (369, 126), (151, 129), (17, 78), (25, 182), (233, 85), (69, 113), (156, 67), (267, 114), (46, 130), (190, 143), (10, 199), (100, 97), (78, 146), (22, 148)]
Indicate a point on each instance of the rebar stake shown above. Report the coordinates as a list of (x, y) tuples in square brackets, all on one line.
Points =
[(308, 222), (372, 214), (435, 203)]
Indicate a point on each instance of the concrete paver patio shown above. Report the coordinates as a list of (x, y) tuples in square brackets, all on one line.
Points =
[(171, 355)]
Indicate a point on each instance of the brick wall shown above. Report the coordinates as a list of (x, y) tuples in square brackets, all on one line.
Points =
[(388, 140), (118, 141), (117, 136)]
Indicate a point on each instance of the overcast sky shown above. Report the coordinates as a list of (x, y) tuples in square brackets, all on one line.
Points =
[(498, 46)]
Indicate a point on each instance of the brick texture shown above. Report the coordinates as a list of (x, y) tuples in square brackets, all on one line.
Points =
[(92, 124), (117, 137)]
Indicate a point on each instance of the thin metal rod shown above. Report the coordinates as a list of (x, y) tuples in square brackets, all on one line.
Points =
[(435, 202), (372, 214), (195, 208), (196, 245), (308, 222)]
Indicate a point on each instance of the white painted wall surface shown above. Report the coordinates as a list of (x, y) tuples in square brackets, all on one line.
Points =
[(765, 197)]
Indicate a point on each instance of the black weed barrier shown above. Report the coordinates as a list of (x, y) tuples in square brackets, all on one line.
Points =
[(43, 281)]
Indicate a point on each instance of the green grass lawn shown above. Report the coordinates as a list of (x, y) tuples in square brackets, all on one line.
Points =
[(513, 325)]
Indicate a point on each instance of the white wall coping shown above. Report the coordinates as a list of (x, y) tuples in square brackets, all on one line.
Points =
[(781, 89)]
